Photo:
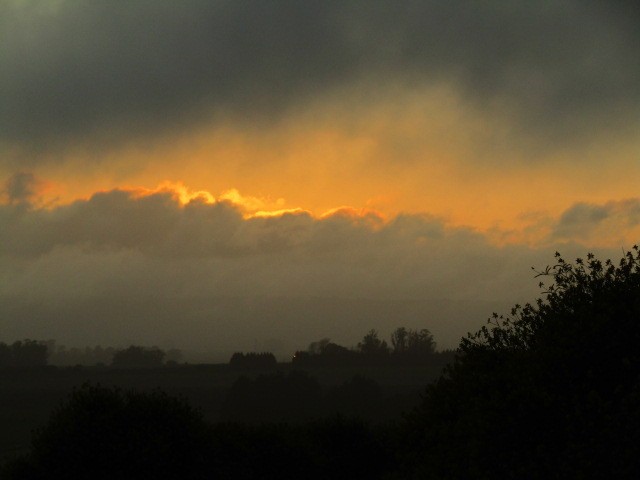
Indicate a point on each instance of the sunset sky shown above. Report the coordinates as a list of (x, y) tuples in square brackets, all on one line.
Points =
[(229, 175)]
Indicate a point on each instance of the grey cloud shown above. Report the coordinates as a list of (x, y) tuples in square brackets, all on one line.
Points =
[(158, 226), (584, 212), (21, 188), (105, 70), (585, 219), (120, 268), (120, 219)]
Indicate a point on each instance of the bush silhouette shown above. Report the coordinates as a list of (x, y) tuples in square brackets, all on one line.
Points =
[(138, 357), (102, 433), (253, 361), (550, 391), (359, 397), (273, 398)]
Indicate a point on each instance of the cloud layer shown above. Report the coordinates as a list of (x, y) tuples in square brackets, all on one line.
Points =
[(106, 71), (133, 266)]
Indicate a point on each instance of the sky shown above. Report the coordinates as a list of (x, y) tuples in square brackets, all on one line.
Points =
[(236, 175)]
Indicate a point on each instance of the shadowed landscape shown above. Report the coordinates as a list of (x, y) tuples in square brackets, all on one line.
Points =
[(550, 390), (373, 381)]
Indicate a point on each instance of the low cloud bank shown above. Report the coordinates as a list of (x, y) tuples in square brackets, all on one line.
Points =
[(125, 266)]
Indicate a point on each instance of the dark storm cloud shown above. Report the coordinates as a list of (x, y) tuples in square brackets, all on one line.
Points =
[(73, 69)]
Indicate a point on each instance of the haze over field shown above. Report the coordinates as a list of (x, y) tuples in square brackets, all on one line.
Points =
[(228, 175)]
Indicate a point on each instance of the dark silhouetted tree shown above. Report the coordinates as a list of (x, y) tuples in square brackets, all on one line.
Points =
[(420, 342), (173, 356), (399, 340), (350, 449), (317, 348), (25, 353), (371, 345), (102, 433), (5, 355), (302, 359), (359, 397), (97, 355), (273, 398), (136, 356), (550, 391), (412, 342), (253, 361), (324, 353)]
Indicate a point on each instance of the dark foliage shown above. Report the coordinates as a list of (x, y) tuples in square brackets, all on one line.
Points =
[(63, 356), (102, 433), (328, 355), (348, 448), (372, 346), (138, 357), (360, 397), (549, 392), (105, 433), (332, 448), (297, 398), (253, 361), (273, 398), (325, 353), (410, 347), (26, 353)]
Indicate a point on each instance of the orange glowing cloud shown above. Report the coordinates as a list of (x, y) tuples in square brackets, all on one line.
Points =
[(416, 151)]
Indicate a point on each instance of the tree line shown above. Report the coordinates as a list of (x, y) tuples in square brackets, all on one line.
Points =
[(36, 353), (408, 347), (23, 353)]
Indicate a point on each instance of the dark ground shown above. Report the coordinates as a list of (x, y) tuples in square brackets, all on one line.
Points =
[(29, 395)]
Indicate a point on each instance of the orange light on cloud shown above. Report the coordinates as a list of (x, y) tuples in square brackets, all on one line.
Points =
[(418, 152)]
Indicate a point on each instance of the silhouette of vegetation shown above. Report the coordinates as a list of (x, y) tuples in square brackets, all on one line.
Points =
[(410, 347), (275, 397), (298, 397), (324, 353), (349, 448), (253, 361), (25, 353), (372, 346), (138, 357), (60, 355), (173, 356), (103, 433), (108, 433), (360, 397), (64, 356), (550, 391), (331, 448)]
